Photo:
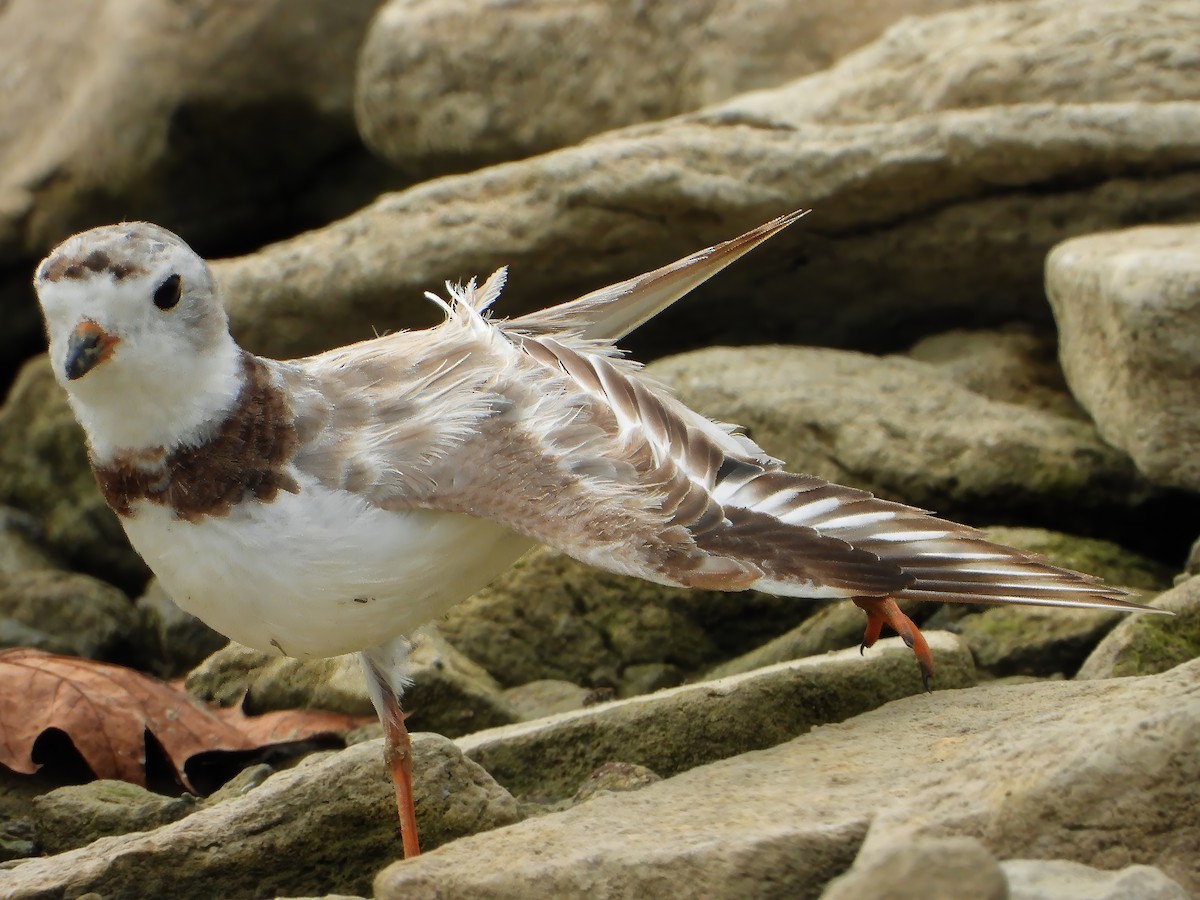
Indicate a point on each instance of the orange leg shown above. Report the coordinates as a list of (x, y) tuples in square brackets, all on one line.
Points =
[(884, 611), (397, 753)]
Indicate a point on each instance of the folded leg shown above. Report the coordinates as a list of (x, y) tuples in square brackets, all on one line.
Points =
[(884, 611)]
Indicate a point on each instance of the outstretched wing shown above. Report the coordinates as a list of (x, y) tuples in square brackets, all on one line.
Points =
[(555, 437)]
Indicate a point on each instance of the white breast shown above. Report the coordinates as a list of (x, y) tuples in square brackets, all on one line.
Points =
[(320, 573)]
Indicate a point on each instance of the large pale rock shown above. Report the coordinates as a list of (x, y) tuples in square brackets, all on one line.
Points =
[(454, 85), (327, 825), (1127, 305), (936, 221), (1145, 645), (1106, 775), (44, 471), (928, 869), (196, 116), (902, 429), (75, 815), (677, 729), (1058, 879), (993, 55)]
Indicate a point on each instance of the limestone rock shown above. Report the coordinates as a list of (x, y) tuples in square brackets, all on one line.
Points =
[(171, 640), (928, 869), (901, 429), (76, 815), (545, 697), (19, 545), (782, 821), (1059, 879), (327, 825), (444, 87), (993, 55), (1145, 645), (677, 729), (615, 777), (449, 693), (1035, 640), (44, 471), (82, 615), (936, 221), (1013, 365), (161, 111), (1127, 305)]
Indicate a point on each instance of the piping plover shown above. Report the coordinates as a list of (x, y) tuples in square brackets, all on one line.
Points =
[(332, 504)]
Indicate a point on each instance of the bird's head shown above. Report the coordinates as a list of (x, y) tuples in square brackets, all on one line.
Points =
[(137, 334)]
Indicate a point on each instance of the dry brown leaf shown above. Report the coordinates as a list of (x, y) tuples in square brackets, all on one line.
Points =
[(106, 710)]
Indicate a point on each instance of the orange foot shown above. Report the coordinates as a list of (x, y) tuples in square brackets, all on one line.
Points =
[(883, 610)]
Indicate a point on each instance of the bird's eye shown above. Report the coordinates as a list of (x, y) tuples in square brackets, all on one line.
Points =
[(168, 292)]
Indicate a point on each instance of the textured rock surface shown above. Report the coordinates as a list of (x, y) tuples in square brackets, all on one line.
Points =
[(936, 221), (76, 815), (1144, 645), (927, 869), (1035, 640), (327, 825), (671, 731), (439, 91), (156, 109), (1058, 879), (80, 615), (20, 548), (784, 820), (1128, 311), (449, 693)]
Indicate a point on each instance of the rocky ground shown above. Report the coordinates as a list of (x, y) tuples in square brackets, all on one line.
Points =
[(993, 311)]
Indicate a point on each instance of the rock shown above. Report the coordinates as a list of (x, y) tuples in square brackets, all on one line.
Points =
[(172, 641), (1145, 645), (1035, 640), (615, 777), (264, 681), (783, 821), (934, 209), (449, 693), (678, 729), (602, 624), (903, 430), (164, 115), (1013, 365), (78, 613), (44, 471), (19, 546), (927, 869), (439, 91), (75, 815), (1127, 305), (327, 825), (1060, 879), (994, 55), (544, 697)]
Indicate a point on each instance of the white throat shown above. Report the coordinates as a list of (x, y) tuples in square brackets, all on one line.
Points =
[(182, 408)]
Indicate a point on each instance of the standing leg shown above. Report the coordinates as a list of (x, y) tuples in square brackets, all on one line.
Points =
[(381, 667)]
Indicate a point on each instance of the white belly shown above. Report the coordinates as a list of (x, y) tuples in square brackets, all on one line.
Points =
[(320, 573)]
